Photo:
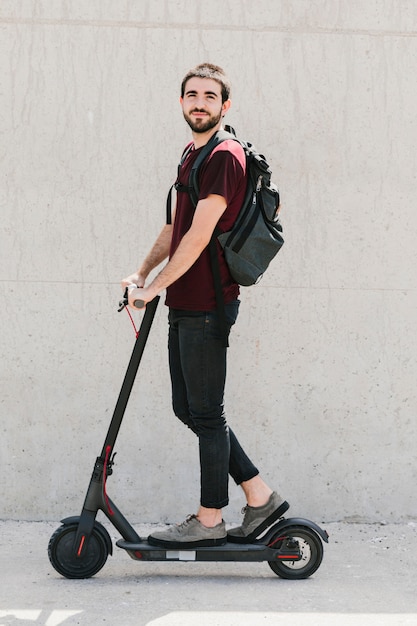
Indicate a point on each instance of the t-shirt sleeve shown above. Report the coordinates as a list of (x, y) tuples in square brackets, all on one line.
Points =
[(223, 173)]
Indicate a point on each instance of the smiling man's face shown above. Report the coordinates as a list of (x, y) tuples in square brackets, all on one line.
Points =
[(202, 104)]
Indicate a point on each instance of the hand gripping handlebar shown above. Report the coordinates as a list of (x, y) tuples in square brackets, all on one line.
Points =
[(139, 304)]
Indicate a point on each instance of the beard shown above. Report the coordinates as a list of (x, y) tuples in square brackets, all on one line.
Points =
[(202, 126)]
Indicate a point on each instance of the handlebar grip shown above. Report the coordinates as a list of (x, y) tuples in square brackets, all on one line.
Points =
[(139, 304)]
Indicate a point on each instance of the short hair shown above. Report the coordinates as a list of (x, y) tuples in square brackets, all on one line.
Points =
[(208, 70)]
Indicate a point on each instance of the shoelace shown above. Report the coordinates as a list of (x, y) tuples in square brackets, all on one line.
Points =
[(186, 521)]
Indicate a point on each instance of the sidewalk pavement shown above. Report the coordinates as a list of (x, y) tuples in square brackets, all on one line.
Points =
[(368, 578)]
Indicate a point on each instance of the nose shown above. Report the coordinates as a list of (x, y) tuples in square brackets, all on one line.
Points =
[(199, 102)]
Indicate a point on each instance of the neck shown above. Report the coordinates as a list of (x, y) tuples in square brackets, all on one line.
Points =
[(200, 139)]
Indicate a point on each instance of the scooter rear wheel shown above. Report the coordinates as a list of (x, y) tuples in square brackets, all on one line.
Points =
[(310, 547), (62, 556)]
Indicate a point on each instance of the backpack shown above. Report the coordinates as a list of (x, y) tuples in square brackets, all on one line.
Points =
[(256, 236)]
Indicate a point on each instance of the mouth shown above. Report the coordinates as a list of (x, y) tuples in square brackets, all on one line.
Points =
[(199, 113)]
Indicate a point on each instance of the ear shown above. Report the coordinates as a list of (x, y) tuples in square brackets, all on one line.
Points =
[(226, 106)]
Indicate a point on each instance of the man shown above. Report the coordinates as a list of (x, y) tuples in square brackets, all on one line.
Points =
[(197, 355)]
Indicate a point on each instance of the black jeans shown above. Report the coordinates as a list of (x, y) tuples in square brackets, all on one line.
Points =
[(197, 360)]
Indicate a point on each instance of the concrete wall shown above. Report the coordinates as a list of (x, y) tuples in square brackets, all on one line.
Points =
[(322, 375)]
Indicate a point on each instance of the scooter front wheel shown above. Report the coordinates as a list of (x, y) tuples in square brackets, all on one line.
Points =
[(310, 549), (63, 558)]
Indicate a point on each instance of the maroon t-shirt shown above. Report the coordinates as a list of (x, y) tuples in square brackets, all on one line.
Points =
[(222, 173)]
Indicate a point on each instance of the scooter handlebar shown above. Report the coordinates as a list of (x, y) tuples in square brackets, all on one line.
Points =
[(139, 304)]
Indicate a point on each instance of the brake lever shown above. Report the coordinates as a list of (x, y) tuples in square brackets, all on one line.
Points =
[(139, 304), (124, 302)]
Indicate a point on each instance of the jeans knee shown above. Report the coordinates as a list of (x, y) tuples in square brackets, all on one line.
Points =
[(209, 425), (185, 419)]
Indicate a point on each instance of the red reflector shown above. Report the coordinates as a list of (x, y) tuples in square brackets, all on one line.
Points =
[(289, 557), (138, 554), (81, 545)]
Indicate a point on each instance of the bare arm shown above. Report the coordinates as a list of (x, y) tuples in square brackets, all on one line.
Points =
[(206, 216), (157, 254)]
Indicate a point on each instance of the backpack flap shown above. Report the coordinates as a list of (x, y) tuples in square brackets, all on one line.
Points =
[(250, 248), (256, 237)]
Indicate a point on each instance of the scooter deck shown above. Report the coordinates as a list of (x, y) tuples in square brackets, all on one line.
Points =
[(143, 551)]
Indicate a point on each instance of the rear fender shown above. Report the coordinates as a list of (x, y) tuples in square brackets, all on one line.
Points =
[(295, 521)]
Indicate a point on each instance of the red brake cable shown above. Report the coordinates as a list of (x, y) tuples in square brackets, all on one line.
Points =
[(106, 498), (133, 323)]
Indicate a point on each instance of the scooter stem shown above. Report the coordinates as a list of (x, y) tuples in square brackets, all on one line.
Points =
[(130, 375)]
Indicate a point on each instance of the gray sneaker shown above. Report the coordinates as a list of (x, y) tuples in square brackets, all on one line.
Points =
[(189, 534), (257, 519)]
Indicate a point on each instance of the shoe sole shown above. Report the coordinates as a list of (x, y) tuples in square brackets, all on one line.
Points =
[(202, 543), (279, 512)]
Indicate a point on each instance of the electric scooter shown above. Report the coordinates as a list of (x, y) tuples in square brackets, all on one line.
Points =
[(293, 547)]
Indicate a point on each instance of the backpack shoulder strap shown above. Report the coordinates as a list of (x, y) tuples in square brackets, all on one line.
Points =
[(193, 188), (184, 155), (214, 141)]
